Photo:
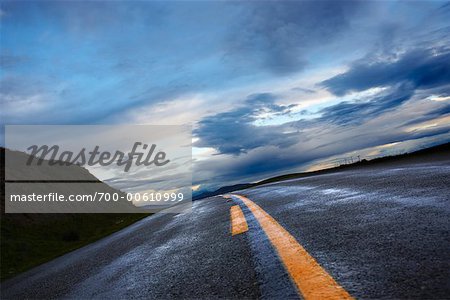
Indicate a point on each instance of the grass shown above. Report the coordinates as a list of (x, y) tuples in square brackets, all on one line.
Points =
[(30, 240)]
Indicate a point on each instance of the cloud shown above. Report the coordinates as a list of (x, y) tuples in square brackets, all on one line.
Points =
[(318, 140), (233, 132), (393, 114), (346, 112), (278, 35), (398, 110), (421, 68), (304, 90), (22, 99), (166, 62)]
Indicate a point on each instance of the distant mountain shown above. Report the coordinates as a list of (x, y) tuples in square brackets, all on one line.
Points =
[(435, 153), (223, 190)]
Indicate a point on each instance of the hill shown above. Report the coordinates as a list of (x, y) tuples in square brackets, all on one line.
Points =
[(439, 152), (29, 239)]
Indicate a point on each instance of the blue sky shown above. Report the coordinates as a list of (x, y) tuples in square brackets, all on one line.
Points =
[(269, 87)]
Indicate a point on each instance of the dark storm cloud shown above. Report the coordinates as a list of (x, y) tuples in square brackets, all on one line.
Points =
[(424, 68), (271, 161), (430, 115), (233, 132), (339, 129), (280, 34), (439, 112), (353, 113), (263, 161)]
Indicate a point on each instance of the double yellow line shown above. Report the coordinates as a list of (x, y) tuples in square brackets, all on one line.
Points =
[(238, 222), (311, 280)]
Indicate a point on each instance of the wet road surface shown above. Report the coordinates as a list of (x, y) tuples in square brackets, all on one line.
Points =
[(379, 232)]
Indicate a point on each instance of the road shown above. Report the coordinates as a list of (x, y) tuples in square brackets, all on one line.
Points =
[(378, 232)]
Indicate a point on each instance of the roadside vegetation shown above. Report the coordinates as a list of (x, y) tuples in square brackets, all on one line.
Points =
[(28, 240)]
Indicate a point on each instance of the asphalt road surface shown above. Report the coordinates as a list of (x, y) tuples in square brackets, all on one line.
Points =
[(379, 232)]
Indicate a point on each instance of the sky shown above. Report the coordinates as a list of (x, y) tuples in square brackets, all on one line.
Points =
[(268, 87)]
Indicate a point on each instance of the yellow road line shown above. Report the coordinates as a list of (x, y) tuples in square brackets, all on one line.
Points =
[(310, 278), (238, 222)]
